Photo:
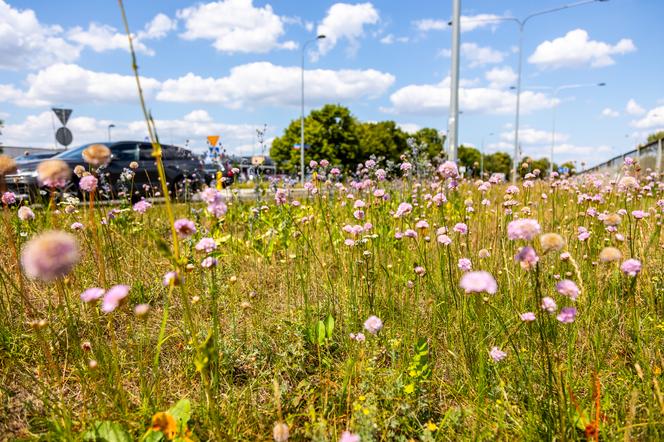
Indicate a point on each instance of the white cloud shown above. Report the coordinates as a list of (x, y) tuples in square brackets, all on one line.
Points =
[(529, 136), (409, 128), (468, 23), (654, 118), (472, 22), (390, 38), (610, 113), (479, 56), (25, 43), (432, 99), (235, 26), (476, 55), (254, 84), (536, 144), (428, 24), (102, 38), (633, 108), (70, 83), (500, 78), (345, 21), (37, 130), (158, 27), (575, 49), (263, 83)]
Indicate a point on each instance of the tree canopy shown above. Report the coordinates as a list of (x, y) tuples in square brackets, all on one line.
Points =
[(334, 133)]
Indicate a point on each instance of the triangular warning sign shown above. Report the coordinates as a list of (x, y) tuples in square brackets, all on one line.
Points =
[(213, 139), (62, 114)]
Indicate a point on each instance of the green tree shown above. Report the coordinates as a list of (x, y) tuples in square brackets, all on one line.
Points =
[(470, 158), (569, 165), (331, 133), (433, 140), (498, 162), (384, 139), (542, 164), (656, 136)]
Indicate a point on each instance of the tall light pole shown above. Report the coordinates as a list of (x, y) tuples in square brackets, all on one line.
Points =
[(304, 46), (110, 126), (522, 23), (453, 118), (557, 90)]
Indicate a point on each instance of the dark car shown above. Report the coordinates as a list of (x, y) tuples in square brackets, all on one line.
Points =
[(33, 156), (182, 169)]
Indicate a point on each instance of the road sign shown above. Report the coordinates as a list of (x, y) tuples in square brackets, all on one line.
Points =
[(257, 160), (62, 114), (64, 136), (213, 139)]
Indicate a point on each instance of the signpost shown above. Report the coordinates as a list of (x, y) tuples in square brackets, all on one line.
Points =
[(63, 135)]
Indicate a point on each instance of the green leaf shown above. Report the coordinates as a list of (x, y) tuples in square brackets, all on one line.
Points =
[(181, 412), (320, 333), (107, 431), (329, 326)]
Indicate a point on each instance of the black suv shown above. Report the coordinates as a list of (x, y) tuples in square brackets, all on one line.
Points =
[(182, 168)]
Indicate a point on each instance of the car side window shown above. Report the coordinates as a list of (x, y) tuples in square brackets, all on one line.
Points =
[(146, 152), (125, 151)]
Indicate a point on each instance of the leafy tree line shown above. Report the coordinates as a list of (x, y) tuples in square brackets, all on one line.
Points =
[(335, 134)]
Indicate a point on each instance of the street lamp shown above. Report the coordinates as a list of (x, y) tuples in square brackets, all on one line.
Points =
[(555, 106), (110, 126), (522, 23), (304, 46)]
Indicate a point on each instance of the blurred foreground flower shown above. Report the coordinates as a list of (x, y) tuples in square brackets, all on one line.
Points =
[(497, 354), (477, 282), (373, 324), (50, 255), (631, 267)]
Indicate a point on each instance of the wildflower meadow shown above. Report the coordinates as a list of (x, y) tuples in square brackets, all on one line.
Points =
[(384, 302), (369, 306)]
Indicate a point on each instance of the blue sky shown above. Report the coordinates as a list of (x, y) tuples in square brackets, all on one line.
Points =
[(231, 66)]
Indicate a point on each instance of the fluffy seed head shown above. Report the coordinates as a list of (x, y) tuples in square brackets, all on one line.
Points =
[(612, 219), (7, 165), (610, 254), (50, 255), (97, 155), (280, 432), (551, 242), (53, 173)]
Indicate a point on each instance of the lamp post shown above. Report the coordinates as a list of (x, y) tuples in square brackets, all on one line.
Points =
[(304, 46), (555, 106), (110, 126), (453, 118), (522, 23)]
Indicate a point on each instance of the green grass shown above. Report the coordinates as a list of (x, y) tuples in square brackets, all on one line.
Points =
[(231, 333)]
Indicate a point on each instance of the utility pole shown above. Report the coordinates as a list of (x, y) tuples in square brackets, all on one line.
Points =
[(453, 119)]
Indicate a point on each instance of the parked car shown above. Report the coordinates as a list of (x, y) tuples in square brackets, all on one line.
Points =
[(32, 156), (181, 167)]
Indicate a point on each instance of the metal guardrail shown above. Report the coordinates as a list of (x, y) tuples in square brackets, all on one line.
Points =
[(648, 155)]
